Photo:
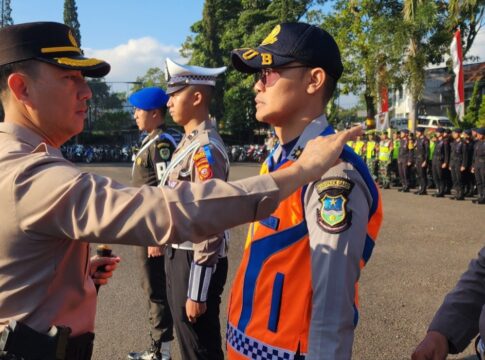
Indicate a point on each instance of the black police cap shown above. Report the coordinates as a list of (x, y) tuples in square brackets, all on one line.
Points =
[(49, 42), (420, 129), (288, 42), (481, 131)]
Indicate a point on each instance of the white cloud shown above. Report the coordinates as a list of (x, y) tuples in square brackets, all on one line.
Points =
[(135, 57), (478, 47)]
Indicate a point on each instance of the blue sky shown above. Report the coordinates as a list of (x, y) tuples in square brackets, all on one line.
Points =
[(108, 23)]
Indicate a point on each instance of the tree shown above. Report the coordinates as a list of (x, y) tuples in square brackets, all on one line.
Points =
[(481, 113), (364, 31), (205, 48), (71, 20), (153, 77), (116, 120), (429, 28), (6, 18), (471, 113), (468, 16), (103, 101)]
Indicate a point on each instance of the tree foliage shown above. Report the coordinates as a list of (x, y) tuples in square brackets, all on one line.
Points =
[(71, 20), (471, 113), (365, 31), (481, 114), (153, 77), (106, 108), (429, 28), (6, 18)]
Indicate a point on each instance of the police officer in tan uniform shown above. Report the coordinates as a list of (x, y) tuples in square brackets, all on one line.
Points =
[(51, 210), (149, 165), (196, 274)]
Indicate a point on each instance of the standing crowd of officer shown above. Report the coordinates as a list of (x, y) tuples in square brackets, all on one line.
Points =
[(450, 161)]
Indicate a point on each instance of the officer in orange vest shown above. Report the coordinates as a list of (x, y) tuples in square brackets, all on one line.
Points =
[(295, 293)]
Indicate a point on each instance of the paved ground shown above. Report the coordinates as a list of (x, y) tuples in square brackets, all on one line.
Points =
[(424, 245)]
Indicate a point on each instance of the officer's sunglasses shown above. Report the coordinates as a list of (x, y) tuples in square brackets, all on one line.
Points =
[(269, 76)]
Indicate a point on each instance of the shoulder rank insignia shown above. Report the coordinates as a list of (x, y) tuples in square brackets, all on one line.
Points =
[(333, 193), (202, 165)]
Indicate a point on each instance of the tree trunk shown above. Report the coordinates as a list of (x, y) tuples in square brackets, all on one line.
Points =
[(413, 107), (370, 106)]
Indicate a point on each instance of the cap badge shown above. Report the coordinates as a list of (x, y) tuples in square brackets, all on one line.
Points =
[(272, 37)]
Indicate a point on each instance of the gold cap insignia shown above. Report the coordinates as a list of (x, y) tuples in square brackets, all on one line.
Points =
[(272, 37), (72, 39)]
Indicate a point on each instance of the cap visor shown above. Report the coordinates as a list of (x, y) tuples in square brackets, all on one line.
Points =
[(252, 60), (90, 67), (173, 89)]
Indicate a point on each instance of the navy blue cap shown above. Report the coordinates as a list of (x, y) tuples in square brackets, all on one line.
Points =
[(420, 129), (457, 130), (481, 131), (468, 132), (405, 131), (290, 42), (49, 42), (149, 98), (440, 130)]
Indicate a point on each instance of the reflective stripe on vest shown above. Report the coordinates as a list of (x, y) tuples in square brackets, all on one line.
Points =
[(384, 151), (276, 257)]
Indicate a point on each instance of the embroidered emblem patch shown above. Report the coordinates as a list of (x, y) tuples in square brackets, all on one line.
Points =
[(202, 165), (333, 215), (164, 153), (138, 161)]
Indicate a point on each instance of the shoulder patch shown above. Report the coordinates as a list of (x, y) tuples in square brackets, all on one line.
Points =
[(332, 214), (202, 165), (164, 153)]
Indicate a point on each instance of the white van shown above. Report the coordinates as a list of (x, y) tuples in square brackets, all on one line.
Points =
[(434, 122), (399, 123)]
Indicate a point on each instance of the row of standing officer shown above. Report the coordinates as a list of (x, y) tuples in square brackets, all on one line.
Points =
[(453, 159)]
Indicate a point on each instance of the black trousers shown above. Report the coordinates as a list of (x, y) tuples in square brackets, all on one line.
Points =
[(201, 340), (422, 173), (403, 173), (154, 284), (439, 177), (457, 179), (480, 179)]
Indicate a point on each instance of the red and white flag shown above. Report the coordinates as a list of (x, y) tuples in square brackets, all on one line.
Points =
[(382, 121), (457, 58)]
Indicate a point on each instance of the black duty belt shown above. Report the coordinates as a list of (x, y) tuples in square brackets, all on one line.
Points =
[(20, 342)]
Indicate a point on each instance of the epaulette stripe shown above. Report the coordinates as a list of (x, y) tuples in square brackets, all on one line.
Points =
[(208, 154), (368, 248)]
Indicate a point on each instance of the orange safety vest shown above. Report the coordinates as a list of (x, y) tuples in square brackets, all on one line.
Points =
[(271, 298)]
